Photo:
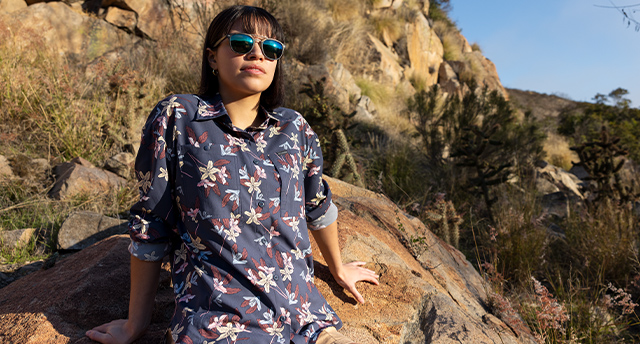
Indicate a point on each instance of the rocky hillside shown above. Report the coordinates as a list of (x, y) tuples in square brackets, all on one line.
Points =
[(429, 292)]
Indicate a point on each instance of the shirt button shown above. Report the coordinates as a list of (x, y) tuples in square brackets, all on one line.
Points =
[(207, 147), (275, 277), (256, 161), (282, 319), (260, 204)]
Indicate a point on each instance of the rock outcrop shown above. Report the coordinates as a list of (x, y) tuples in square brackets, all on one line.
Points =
[(8, 6), (425, 50), (67, 31), (426, 295)]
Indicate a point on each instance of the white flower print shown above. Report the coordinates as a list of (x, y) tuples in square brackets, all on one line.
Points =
[(266, 277), (209, 172)]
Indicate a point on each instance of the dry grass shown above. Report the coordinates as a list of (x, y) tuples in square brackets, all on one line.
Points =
[(556, 149), (450, 40), (346, 10), (53, 109), (385, 24), (306, 25)]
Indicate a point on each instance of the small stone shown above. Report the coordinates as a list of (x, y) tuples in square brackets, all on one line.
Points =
[(5, 168), (120, 164), (16, 238), (80, 176), (83, 229)]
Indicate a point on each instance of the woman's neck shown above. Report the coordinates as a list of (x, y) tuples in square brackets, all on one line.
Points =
[(243, 111)]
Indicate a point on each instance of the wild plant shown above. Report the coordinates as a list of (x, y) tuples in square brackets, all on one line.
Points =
[(331, 124), (550, 315), (442, 219), (603, 159)]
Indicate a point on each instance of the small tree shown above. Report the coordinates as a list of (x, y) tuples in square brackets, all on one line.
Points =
[(482, 135)]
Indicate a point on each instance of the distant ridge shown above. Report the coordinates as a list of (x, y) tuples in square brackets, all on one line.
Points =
[(542, 106)]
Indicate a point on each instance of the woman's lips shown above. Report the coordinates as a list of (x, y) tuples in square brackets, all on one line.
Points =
[(254, 69)]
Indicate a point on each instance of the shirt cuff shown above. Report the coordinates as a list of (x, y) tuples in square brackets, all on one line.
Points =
[(323, 221), (149, 252)]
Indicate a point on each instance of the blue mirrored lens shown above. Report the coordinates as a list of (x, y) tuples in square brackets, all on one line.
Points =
[(272, 49), (241, 44)]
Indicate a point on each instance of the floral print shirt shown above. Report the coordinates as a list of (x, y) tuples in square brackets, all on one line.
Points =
[(232, 207)]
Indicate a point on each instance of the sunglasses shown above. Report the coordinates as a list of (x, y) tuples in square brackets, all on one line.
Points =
[(242, 43)]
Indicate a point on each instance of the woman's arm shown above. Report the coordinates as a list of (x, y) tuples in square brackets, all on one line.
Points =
[(144, 282), (345, 274)]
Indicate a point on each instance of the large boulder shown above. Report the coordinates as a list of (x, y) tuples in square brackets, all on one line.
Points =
[(127, 20), (67, 31), (425, 50), (427, 294), (57, 305), (79, 176), (559, 189), (385, 61)]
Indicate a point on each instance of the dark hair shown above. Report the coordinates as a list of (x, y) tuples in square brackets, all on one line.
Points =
[(254, 20)]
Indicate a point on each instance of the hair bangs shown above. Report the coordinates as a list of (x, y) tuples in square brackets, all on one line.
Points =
[(256, 22)]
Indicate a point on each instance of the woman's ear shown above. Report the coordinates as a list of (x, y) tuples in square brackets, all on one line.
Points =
[(212, 59)]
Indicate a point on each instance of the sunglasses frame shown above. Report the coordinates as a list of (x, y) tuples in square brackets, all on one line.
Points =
[(256, 38)]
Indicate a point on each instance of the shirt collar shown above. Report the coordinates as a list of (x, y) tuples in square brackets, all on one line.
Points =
[(212, 108)]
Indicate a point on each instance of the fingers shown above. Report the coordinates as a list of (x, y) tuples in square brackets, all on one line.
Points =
[(98, 336), (102, 328), (356, 294), (372, 279), (364, 274), (357, 273)]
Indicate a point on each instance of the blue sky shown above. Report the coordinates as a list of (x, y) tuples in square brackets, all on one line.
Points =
[(566, 47)]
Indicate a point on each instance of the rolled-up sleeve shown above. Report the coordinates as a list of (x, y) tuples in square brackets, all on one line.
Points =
[(320, 210), (152, 223)]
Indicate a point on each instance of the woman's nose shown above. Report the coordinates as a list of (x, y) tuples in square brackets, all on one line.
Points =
[(256, 52)]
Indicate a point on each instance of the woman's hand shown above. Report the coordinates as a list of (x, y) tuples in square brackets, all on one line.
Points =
[(115, 332), (354, 272)]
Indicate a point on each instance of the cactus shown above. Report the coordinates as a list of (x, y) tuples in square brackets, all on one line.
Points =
[(603, 159), (331, 122), (445, 220)]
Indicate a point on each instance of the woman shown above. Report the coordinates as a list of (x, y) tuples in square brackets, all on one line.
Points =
[(228, 185)]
